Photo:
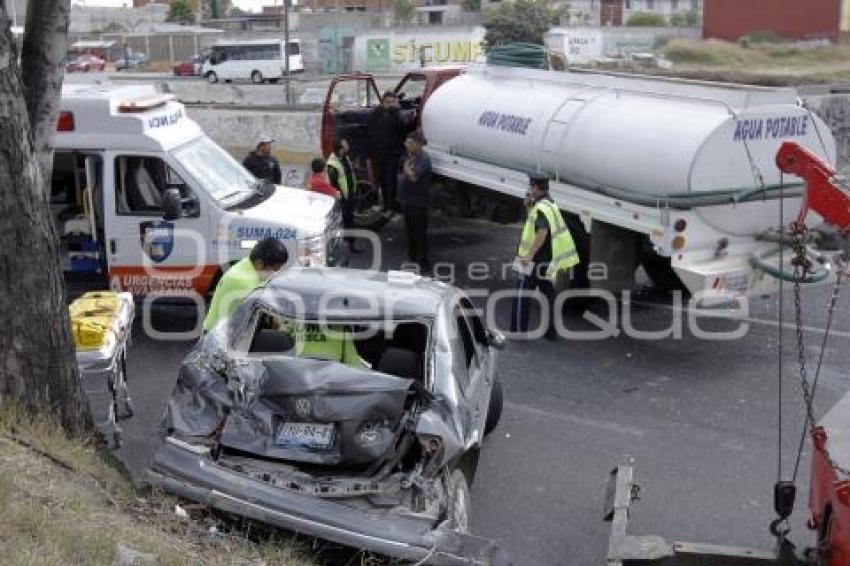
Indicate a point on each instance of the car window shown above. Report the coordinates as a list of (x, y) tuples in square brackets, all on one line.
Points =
[(356, 93), (140, 182), (413, 87), (471, 314), (460, 365)]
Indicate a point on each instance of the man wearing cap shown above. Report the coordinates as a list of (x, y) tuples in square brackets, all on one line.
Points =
[(386, 131), (414, 182), (261, 163), (546, 251)]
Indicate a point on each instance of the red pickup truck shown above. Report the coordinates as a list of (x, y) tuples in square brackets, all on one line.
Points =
[(348, 104)]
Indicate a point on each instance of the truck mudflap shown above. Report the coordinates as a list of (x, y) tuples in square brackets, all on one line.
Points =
[(627, 550), (187, 471)]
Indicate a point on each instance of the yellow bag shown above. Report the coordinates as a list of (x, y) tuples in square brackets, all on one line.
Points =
[(92, 318), (100, 303)]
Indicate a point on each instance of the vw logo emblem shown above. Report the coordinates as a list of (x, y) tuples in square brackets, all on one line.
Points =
[(303, 407)]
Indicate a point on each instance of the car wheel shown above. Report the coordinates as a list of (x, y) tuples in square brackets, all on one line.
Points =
[(368, 212), (274, 81), (257, 77), (212, 78), (459, 510), (494, 409), (86, 69)]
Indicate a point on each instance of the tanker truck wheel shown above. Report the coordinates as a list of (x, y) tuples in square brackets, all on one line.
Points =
[(659, 271)]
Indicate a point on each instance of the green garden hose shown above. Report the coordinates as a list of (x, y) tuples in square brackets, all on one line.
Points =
[(528, 55), (760, 262)]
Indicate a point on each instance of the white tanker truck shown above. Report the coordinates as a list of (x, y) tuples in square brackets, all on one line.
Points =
[(677, 176)]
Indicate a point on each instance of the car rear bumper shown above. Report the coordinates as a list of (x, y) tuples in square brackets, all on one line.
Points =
[(188, 471)]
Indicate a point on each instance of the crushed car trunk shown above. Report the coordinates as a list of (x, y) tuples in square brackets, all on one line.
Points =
[(298, 410)]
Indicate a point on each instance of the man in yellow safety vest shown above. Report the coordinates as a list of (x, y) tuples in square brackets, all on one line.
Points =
[(546, 250), (325, 342), (341, 175)]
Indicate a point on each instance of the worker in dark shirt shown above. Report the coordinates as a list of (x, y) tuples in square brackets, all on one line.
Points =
[(546, 251), (414, 183), (261, 163), (386, 131)]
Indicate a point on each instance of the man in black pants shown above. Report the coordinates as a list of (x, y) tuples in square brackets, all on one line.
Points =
[(386, 131), (414, 182)]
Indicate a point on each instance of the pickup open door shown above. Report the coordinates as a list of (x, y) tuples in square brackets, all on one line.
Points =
[(348, 104)]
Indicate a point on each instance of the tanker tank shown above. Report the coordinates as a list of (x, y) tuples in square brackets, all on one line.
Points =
[(643, 137)]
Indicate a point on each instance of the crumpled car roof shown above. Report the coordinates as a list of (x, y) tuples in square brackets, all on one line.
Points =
[(340, 293)]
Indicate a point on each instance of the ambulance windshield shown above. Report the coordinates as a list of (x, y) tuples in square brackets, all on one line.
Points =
[(216, 171)]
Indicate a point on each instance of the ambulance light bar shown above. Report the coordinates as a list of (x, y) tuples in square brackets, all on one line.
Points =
[(145, 104)]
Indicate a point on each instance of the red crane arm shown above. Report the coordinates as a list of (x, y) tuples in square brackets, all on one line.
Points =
[(824, 194)]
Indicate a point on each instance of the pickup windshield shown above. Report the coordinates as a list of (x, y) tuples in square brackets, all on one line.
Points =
[(214, 169)]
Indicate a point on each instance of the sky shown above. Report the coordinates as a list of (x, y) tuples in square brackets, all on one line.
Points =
[(252, 5)]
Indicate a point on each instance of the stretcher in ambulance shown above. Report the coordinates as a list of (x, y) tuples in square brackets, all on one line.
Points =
[(145, 202)]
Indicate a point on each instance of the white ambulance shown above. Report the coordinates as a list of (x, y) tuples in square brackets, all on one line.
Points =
[(145, 202)]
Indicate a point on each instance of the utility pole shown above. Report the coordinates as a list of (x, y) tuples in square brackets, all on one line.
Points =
[(286, 51)]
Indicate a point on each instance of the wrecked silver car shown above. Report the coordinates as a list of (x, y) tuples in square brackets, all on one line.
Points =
[(342, 404)]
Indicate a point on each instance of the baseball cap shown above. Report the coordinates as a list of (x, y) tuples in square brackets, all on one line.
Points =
[(264, 138), (538, 178)]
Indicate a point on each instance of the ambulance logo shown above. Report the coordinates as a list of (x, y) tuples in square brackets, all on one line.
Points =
[(157, 239)]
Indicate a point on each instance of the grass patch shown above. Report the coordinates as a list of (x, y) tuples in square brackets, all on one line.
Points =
[(764, 63), (724, 54), (63, 504), (712, 53)]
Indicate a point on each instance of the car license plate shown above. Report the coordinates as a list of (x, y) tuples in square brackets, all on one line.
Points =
[(737, 284), (306, 435)]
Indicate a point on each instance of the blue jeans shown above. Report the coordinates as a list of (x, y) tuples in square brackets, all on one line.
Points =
[(521, 303)]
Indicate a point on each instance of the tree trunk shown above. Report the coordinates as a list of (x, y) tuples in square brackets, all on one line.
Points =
[(37, 365), (44, 49)]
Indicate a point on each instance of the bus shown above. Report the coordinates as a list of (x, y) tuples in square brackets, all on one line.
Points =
[(259, 61)]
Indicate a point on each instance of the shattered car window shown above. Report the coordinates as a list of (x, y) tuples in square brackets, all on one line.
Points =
[(398, 347)]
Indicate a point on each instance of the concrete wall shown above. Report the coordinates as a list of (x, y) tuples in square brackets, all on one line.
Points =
[(587, 44), (90, 19), (296, 134)]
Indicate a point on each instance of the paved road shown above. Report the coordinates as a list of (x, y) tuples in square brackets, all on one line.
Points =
[(698, 418)]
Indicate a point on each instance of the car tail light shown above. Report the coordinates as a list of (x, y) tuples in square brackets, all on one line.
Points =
[(65, 122)]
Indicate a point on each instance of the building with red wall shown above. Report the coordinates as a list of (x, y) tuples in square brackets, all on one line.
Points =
[(793, 19)]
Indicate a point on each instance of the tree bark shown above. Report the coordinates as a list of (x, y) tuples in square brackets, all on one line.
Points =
[(38, 370), (44, 49)]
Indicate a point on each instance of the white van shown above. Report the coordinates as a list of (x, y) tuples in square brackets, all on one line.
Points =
[(260, 60), (146, 202)]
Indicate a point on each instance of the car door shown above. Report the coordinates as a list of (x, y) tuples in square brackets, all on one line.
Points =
[(145, 252), (475, 359), (348, 103)]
